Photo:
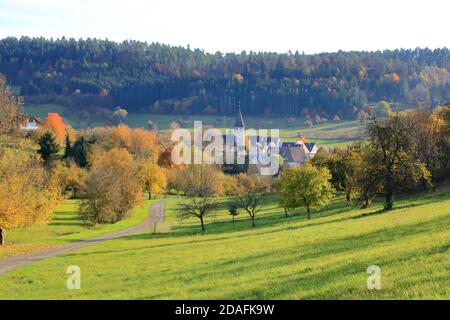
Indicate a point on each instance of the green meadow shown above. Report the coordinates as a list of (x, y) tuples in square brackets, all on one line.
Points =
[(65, 226), (330, 133), (281, 258)]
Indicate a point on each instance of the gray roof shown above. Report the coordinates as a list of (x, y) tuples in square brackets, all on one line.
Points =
[(293, 154), (239, 120), (289, 144)]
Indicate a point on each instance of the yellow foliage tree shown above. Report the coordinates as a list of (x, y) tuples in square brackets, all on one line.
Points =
[(112, 187), (71, 178), (152, 177), (28, 194)]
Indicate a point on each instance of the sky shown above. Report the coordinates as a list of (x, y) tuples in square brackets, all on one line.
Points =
[(310, 26)]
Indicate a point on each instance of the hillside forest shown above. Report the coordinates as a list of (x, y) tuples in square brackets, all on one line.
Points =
[(94, 77)]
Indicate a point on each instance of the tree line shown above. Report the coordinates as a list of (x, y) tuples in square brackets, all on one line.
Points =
[(93, 76)]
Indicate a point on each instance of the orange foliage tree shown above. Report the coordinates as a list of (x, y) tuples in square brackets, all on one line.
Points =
[(139, 142), (55, 124)]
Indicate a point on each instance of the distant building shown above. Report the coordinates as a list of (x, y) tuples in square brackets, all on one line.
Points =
[(297, 153), (29, 123), (293, 153)]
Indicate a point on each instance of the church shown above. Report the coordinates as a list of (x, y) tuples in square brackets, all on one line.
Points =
[(241, 141)]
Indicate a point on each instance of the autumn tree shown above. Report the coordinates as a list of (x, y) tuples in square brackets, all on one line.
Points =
[(152, 177), (121, 136), (112, 188), (139, 142), (306, 186), (71, 178), (10, 108), (28, 194), (427, 138), (143, 144), (250, 190), (54, 123)]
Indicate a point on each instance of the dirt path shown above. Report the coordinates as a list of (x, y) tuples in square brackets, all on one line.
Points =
[(11, 263)]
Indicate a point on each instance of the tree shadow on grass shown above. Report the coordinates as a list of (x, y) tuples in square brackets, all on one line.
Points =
[(307, 251), (307, 278)]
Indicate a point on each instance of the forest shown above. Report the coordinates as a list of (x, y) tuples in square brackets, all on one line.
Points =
[(95, 76)]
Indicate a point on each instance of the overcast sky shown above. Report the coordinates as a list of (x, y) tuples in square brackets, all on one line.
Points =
[(235, 25)]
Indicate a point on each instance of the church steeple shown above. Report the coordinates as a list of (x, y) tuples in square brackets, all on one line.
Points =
[(239, 123)]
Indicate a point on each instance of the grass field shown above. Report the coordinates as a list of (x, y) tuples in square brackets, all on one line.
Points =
[(64, 227), (282, 258), (331, 133)]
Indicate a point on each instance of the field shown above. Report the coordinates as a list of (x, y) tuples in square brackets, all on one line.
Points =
[(64, 227), (282, 258), (331, 133)]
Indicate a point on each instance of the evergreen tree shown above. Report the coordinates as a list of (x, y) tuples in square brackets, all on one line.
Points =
[(80, 151), (68, 149), (48, 146)]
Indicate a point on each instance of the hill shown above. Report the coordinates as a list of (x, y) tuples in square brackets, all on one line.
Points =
[(92, 76), (282, 258)]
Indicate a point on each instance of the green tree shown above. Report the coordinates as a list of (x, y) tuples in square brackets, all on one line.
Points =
[(68, 148), (342, 164), (390, 160), (48, 147), (233, 210), (80, 152), (306, 186)]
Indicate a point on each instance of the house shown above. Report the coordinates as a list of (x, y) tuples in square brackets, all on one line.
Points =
[(293, 153), (297, 153), (29, 123)]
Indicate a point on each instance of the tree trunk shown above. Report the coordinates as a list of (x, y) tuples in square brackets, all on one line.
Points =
[(285, 212), (348, 198), (389, 202), (389, 193), (203, 226), (2, 236), (365, 202), (149, 195), (253, 221), (233, 218), (308, 213)]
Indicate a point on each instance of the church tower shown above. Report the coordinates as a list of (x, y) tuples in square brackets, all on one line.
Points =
[(239, 128)]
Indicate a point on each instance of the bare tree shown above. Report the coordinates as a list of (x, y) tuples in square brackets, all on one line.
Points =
[(197, 207), (249, 191), (199, 182)]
